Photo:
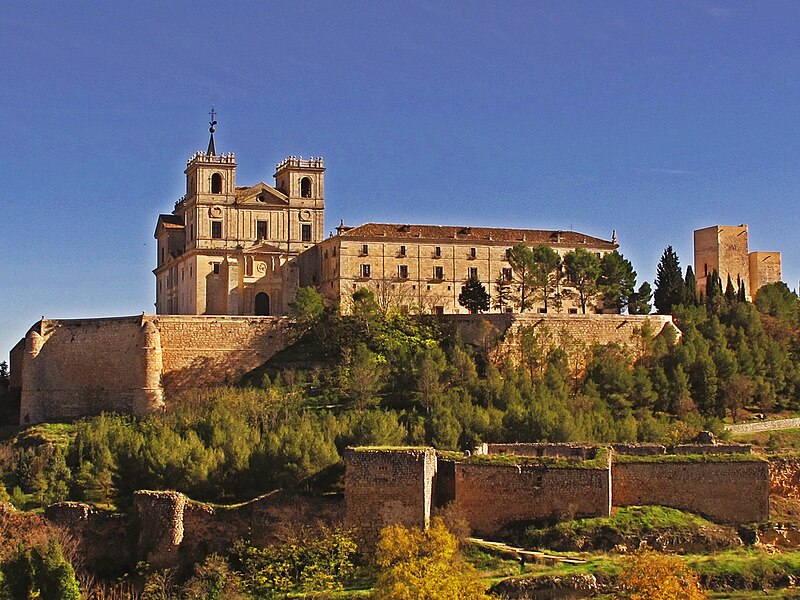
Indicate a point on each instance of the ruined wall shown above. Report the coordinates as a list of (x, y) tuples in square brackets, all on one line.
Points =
[(384, 487), (784, 476), (216, 350), (71, 368), (492, 496), (735, 491), (576, 334), (565, 450), (101, 536)]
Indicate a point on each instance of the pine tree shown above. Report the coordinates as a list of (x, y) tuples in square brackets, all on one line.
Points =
[(473, 296), (502, 294), (670, 286), (639, 303), (617, 281), (583, 269)]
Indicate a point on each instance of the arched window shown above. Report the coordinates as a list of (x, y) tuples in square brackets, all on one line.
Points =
[(261, 304), (216, 183), (305, 187)]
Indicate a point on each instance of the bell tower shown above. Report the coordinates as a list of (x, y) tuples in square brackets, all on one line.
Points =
[(303, 182)]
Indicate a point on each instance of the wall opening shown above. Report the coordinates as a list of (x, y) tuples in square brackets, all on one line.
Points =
[(216, 183), (262, 305), (305, 187)]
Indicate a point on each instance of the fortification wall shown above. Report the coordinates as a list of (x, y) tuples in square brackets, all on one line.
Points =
[(735, 491), (565, 450), (214, 350), (77, 367), (576, 334), (492, 496), (384, 487)]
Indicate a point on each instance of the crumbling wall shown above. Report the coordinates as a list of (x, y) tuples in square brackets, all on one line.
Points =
[(388, 486), (492, 496), (784, 476), (729, 491), (566, 450), (160, 526), (101, 536)]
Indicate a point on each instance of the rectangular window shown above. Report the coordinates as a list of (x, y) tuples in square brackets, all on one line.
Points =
[(163, 255), (364, 250), (473, 272), (305, 232), (507, 274), (333, 252), (473, 252), (438, 273), (508, 253), (216, 230), (437, 252), (402, 250), (365, 271), (438, 310), (402, 271), (216, 268), (573, 311), (261, 230), (191, 232)]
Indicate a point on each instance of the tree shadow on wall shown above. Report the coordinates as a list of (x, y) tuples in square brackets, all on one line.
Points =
[(9, 407), (204, 371)]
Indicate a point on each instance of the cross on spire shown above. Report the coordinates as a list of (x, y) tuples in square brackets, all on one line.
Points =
[(211, 150)]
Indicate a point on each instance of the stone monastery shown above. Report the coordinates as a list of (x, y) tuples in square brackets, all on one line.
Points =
[(245, 250)]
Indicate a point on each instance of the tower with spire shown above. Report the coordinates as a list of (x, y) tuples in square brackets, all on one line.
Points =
[(236, 250)]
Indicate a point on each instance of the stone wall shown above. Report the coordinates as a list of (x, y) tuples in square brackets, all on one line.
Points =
[(566, 450), (576, 334), (491, 497), (199, 351), (384, 487), (73, 368), (735, 491)]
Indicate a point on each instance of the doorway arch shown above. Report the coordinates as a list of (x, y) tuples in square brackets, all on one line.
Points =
[(261, 305)]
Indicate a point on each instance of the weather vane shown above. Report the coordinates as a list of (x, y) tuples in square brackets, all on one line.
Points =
[(212, 113)]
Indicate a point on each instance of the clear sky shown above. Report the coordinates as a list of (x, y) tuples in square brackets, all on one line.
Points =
[(651, 118)]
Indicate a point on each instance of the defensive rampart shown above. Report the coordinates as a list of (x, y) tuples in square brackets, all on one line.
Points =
[(76, 367), (506, 484), (723, 488), (576, 334)]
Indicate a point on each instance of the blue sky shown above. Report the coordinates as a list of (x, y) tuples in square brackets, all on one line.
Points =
[(651, 118)]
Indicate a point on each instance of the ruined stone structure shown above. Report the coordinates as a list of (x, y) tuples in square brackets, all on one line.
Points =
[(71, 368), (506, 484), (724, 248)]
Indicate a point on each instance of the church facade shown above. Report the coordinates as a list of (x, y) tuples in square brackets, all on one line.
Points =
[(245, 250)]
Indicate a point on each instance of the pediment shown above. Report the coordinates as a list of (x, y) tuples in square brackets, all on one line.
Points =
[(263, 248), (261, 194)]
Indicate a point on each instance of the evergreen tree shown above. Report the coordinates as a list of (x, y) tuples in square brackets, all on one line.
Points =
[(730, 292), (742, 294), (583, 269), (639, 303), (691, 287), (520, 258), (616, 282), (670, 286), (546, 271), (473, 296)]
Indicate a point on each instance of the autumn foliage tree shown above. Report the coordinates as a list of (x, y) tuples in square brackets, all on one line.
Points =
[(648, 575), (424, 564)]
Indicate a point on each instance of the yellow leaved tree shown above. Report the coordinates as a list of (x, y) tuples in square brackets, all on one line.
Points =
[(648, 575), (424, 565)]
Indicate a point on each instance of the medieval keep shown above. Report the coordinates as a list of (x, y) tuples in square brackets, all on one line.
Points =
[(245, 250)]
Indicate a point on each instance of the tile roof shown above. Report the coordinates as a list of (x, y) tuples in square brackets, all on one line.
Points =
[(171, 221), (572, 239)]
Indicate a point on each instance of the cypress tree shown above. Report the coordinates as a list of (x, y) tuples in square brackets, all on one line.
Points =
[(670, 286), (730, 293), (691, 287)]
